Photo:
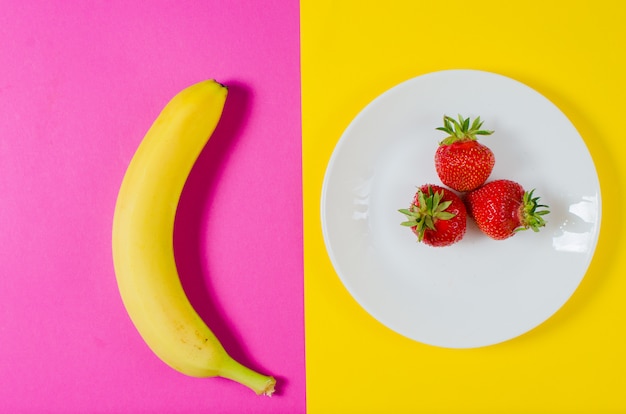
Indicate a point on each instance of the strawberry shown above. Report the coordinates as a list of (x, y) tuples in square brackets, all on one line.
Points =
[(501, 208), (463, 163), (437, 216)]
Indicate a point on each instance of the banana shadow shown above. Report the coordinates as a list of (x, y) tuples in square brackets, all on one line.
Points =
[(191, 219)]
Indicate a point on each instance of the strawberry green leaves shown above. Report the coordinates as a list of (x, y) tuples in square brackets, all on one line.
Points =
[(432, 206), (461, 130), (531, 216)]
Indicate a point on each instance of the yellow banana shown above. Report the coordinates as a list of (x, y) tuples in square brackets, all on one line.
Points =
[(143, 249)]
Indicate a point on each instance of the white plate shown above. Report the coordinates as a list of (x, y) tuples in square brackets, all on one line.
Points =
[(479, 291)]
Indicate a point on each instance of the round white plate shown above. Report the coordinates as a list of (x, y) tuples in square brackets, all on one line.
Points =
[(479, 291)]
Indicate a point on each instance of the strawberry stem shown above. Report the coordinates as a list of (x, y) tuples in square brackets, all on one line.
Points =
[(531, 217), (422, 216), (461, 130)]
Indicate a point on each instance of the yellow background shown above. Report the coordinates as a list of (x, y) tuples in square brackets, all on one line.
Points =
[(573, 53)]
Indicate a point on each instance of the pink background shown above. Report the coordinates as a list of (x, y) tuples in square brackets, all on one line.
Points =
[(80, 83)]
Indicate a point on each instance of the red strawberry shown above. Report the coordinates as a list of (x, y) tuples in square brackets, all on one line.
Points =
[(501, 208), (463, 163), (437, 216)]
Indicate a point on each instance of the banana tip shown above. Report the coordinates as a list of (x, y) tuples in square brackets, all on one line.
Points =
[(221, 84)]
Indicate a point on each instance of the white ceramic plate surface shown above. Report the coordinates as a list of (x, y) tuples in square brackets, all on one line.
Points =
[(479, 291)]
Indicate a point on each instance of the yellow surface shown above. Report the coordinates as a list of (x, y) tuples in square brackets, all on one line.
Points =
[(574, 53)]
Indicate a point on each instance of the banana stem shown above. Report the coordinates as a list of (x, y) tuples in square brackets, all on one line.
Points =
[(260, 384)]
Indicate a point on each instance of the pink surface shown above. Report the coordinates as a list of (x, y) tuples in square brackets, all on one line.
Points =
[(80, 83)]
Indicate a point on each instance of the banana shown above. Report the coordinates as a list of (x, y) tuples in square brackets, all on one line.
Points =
[(142, 240)]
